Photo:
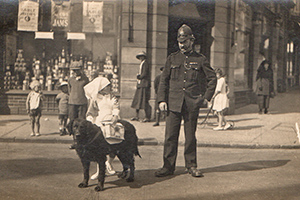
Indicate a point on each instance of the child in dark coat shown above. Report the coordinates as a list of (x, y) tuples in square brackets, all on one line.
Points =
[(62, 99)]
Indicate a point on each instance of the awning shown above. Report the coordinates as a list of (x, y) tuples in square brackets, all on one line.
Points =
[(75, 36), (44, 35)]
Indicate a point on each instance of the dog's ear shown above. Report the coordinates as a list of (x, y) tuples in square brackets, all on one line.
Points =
[(70, 127), (85, 127), (88, 128)]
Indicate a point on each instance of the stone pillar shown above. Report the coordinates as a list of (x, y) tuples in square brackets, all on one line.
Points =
[(149, 33), (159, 39), (274, 47), (133, 41), (222, 53), (256, 44)]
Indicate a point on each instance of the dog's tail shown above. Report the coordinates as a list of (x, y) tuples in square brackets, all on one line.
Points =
[(131, 137), (137, 153)]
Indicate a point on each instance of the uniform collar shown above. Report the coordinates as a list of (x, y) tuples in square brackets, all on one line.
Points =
[(188, 53)]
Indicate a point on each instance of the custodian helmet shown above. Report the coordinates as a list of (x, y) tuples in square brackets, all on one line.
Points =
[(184, 33)]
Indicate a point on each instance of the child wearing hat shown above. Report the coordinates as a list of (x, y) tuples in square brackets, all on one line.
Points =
[(34, 104), (63, 99)]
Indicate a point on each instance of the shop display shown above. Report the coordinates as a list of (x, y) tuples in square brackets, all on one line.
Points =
[(111, 70), (50, 73)]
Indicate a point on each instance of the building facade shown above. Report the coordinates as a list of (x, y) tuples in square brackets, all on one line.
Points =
[(235, 35)]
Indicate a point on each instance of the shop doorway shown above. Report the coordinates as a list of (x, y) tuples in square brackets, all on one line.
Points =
[(199, 15)]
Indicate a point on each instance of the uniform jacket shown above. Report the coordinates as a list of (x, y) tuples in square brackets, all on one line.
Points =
[(144, 76), (156, 83), (186, 77)]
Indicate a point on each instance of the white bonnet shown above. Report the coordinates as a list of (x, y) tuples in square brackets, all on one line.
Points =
[(92, 88)]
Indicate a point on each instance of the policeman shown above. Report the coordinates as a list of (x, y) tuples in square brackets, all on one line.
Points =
[(186, 82)]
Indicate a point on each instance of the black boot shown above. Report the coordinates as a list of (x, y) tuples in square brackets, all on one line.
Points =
[(157, 117), (136, 118), (266, 111)]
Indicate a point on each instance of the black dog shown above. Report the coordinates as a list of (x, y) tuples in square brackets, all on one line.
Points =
[(92, 146)]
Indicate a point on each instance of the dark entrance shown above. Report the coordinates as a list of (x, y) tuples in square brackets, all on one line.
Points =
[(199, 15)]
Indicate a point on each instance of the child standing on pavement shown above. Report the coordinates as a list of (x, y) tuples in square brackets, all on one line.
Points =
[(34, 104), (221, 101), (103, 107), (62, 99)]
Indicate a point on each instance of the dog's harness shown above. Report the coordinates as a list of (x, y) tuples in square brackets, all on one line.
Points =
[(89, 142), (93, 139)]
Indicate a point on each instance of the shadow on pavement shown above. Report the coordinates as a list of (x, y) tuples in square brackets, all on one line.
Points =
[(28, 168), (240, 120), (238, 128), (143, 178), (247, 166), (146, 177), (4, 122)]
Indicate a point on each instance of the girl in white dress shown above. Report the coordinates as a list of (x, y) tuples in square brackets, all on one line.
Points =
[(221, 101)]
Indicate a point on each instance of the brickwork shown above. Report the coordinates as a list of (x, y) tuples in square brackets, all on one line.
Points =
[(14, 102)]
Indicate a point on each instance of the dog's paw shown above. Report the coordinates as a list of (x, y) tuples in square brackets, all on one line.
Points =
[(98, 188), (123, 175), (82, 185), (130, 179)]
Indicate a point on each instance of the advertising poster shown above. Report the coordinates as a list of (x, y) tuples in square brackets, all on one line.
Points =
[(60, 15), (92, 17), (28, 16)]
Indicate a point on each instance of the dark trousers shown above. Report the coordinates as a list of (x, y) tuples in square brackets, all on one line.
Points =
[(148, 111), (263, 101), (173, 123), (77, 111)]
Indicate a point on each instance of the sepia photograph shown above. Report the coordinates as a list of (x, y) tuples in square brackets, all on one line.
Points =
[(150, 99)]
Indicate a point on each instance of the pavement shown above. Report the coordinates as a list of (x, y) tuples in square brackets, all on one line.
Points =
[(275, 130)]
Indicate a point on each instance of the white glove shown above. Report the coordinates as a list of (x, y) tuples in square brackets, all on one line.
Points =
[(90, 118), (163, 106)]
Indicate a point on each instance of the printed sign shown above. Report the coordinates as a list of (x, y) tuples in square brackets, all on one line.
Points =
[(28, 16), (92, 17), (60, 14)]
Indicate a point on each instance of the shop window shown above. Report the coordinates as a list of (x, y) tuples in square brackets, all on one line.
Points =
[(48, 60)]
